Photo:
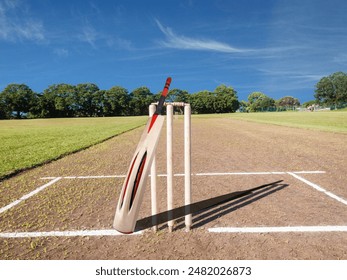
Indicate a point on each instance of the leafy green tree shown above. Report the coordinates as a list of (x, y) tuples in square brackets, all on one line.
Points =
[(99, 103), (59, 101), (254, 97), (202, 102), (141, 98), (243, 106), (225, 100), (116, 102), (258, 101), (4, 113), (86, 101), (222, 100), (176, 95), (18, 98), (287, 102), (332, 90), (36, 110)]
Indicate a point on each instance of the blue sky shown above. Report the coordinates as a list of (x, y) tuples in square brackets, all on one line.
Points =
[(277, 47)]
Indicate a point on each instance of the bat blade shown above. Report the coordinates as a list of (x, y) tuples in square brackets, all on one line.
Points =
[(131, 195)]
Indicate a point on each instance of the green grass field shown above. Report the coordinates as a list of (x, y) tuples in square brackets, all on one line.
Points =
[(27, 143), (331, 121)]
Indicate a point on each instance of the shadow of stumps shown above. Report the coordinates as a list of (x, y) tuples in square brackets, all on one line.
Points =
[(210, 209)]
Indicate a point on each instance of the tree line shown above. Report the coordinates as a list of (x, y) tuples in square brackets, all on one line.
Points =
[(260, 102), (87, 100), (330, 91)]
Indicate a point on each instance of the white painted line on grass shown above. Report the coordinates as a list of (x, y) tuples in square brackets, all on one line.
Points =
[(196, 174), (105, 232), (25, 197), (278, 229), (319, 188)]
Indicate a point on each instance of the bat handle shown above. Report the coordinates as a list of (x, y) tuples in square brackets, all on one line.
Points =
[(163, 96)]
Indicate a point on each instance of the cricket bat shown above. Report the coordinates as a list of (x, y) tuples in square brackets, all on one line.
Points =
[(131, 195)]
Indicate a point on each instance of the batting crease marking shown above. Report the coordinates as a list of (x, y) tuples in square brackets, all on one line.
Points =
[(106, 232), (278, 229), (25, 197), (318, 188)]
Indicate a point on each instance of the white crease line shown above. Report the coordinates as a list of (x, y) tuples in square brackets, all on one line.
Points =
[(257, 173), (25, 197), (319, 188), (308, 172), (196, 174), (175, 175), (237, 173), (106, 232), (85, 177), (97, 177), (278, 229)]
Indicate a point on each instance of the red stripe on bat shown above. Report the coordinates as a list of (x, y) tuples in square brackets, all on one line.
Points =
[(154, 118), (138, 179), (127, 181)]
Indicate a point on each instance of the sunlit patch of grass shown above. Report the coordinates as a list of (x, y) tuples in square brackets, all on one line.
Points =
[(330, 121), (28, 143)]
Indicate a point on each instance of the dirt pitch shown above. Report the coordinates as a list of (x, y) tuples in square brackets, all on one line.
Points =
[(219, 145)]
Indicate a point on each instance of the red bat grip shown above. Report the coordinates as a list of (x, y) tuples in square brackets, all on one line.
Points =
[(166, 87), (163, 96), (160, 103)]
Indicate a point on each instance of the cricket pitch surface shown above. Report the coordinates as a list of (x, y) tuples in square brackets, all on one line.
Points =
[(297, 209)]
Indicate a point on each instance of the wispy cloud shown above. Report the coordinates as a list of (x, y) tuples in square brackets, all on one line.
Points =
[(172, 40), (16, 25), (88, 34), (175, 41), (289, 72)]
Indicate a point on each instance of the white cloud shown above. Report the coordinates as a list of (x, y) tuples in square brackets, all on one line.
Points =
[(14, 25), (33, 30), (186, 43), (89, 35)]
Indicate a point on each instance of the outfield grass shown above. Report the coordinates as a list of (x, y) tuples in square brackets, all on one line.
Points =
[(28, 143), (331, 121)]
